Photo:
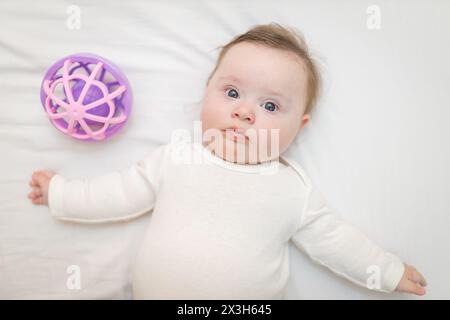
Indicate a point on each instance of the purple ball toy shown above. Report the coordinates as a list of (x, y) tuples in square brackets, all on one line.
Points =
[(86, 97)]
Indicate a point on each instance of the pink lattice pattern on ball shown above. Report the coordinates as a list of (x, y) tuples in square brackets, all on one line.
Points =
[(75, 111)]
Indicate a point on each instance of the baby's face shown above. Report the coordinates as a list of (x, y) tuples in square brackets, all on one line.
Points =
[(255, 87)]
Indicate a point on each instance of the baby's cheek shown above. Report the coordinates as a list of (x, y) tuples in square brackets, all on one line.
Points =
[(287, 135), (213, 112), (206, 110), (275, 138), (207, 117)]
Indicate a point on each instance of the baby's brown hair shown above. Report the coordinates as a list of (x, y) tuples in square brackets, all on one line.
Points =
[(276, 36)]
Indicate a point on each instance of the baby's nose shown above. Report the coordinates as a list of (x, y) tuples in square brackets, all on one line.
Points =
[(244, 115)]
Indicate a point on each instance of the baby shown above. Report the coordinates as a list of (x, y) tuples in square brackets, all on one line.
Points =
[(220, 227)]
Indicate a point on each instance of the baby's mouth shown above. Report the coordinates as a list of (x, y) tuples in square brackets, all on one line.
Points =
[(236, 134)]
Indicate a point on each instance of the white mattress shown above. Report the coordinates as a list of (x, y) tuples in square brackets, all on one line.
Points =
[(377, 146)]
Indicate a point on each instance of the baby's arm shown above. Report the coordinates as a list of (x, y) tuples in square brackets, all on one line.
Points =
[(115, 196), (332, 242)]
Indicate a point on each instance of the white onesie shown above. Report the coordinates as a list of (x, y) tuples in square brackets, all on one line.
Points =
[(220, 230)]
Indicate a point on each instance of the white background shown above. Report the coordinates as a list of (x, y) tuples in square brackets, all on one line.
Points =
[(377, 146)]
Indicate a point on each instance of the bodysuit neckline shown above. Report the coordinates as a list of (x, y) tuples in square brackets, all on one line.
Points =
[(262, 168)]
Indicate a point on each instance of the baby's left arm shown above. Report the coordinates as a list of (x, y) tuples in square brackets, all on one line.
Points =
[(332, 242)]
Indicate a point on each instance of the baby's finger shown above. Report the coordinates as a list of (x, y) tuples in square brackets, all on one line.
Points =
[(37, 200), (33, 195), (37, 177), (36, 192), (418, 277), (415, 288)]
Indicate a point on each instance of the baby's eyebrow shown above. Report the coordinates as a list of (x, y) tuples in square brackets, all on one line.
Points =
[(276, 94), (270, 92), (232, 78)]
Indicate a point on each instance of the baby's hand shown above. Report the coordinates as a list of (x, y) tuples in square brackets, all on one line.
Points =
[(40, 181), (412, 281)]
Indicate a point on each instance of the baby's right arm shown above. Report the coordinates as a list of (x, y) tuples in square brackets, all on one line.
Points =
[(116, 196)]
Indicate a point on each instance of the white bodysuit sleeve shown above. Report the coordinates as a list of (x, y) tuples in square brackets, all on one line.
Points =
[(115, 196), (335, 244)]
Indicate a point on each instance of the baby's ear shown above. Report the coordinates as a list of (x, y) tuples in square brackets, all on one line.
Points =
[(304, 121)]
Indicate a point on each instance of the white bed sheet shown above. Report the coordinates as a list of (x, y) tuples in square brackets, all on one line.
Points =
[(375, 147)]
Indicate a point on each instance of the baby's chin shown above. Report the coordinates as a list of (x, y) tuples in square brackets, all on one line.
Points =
[(241, 152)]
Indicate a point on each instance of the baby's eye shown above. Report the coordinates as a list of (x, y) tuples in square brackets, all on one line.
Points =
[(270, 106), (232, 93)]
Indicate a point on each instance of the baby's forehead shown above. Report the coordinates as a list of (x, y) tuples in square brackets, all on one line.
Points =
[(247, 51), (248, 60)]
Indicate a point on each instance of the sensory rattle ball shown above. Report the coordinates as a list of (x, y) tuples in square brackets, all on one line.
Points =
[(86, 97)]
